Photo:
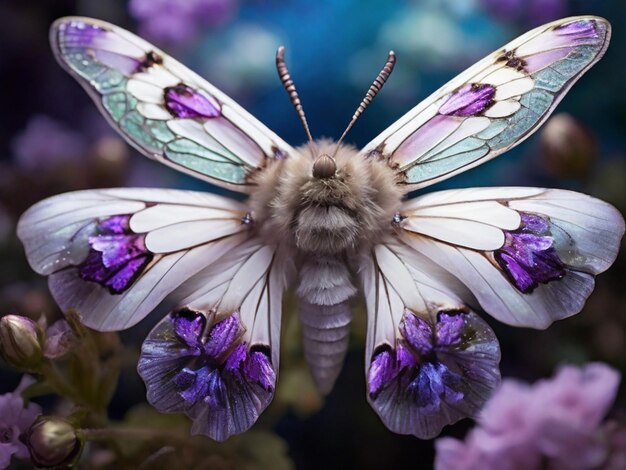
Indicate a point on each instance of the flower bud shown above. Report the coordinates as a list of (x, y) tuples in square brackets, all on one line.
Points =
[(20, 344), (53, 442), (568, 148), (60, 340)]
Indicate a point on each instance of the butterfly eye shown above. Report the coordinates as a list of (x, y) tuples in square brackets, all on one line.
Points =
[(324, 167)]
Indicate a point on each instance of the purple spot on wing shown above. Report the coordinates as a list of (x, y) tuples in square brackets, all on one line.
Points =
[(528, 255), (449, 329), (413, 365), (417, 332), (188, 326), (469, 100), (185, 102), (258, 369), (433, 383), (382, 371), (116, 257), (80, 34), (222, 336), (216, 392), (580, 29)]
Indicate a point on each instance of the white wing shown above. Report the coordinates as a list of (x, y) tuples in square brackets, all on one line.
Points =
[(115, 254), (492, 106), (162, 108), (529, 256)]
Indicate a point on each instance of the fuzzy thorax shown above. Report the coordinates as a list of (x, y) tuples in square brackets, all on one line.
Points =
[(347, 212)]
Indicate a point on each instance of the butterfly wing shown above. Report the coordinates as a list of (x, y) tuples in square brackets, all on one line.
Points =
[(528, 256), (115, 254), (222, 371), (163, 109), (430, 360), (492, 106)]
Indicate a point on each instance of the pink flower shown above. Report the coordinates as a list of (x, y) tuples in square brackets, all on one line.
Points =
[(553, 423), (14, 420)]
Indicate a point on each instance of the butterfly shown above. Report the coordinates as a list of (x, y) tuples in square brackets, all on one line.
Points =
[(329, 221)]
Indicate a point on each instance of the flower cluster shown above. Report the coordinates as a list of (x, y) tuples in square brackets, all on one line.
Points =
[(555, 423), (178, 21)]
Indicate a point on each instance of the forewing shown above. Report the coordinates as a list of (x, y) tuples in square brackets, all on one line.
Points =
[(492, 106), (430, 360), (223, 372), (115, 254), (162, 108), (529, 256)]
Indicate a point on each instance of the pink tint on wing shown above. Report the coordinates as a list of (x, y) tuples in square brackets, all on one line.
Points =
[(425, 138)]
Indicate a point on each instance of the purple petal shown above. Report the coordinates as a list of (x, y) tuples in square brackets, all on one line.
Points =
[(235, 360), (469, 100), (194, 385), (449, 328), (222, 336), (534, 223), (434, 383), (216, 393), (523, 280), (258, 369), (188, 326), (381, 372), (185, 102), (417, 332)]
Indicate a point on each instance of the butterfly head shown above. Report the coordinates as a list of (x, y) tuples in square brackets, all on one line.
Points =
[(324, 167)]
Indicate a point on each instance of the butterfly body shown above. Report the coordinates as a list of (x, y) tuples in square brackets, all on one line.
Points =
[(321, 219)]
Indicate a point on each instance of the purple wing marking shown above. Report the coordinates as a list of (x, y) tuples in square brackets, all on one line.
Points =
[(185, 102), (117, 256)]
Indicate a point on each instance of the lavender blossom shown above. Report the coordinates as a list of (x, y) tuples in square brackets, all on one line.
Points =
[(533, 11), (15, 419), (194, 363), (179, 21), (552, 424), (46, 143)]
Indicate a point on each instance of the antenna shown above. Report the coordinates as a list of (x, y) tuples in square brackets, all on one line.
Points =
[(376, 86), (285, 78)]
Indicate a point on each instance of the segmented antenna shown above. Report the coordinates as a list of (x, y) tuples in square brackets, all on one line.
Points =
[(285, 78), (377, 85)]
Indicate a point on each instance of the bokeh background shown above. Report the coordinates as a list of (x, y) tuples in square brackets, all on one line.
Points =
[(53, 140)]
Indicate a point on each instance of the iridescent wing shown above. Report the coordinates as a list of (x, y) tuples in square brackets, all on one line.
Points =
[(163, 109), (492, 106), (528, 256), (216, 357), (430, 361), (115, 254)]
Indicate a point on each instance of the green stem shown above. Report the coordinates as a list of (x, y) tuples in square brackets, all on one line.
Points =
[(114, 434), (60, 384)]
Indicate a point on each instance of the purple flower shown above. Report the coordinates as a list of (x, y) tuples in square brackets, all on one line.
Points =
[(533, 11), (529, 256), (439, 371), (46, 143), (179, 20), (201, 365), (15, 419), (552, 424)]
